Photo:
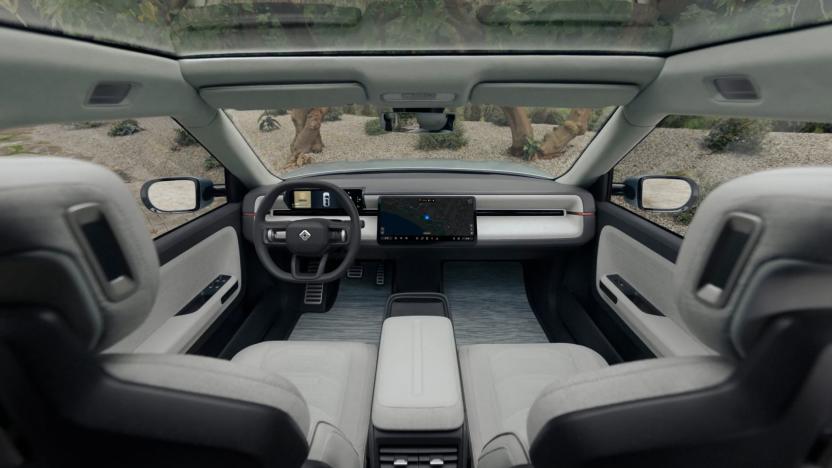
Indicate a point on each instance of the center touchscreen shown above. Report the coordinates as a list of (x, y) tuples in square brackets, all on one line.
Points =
[(426, 219)]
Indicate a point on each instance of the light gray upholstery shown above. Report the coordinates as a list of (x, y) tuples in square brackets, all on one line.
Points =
[(501, 382), (625, 382), (37, 240), (208, 376), (791, 257), (336, 380)]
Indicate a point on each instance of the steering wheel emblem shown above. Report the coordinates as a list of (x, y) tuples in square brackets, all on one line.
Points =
[(304, 235)]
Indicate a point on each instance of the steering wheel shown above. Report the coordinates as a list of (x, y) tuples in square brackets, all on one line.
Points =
[(311, 238)]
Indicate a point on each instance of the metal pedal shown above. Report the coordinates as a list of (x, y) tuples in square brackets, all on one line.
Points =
[(380, 275), (355, 272), (314, 294)]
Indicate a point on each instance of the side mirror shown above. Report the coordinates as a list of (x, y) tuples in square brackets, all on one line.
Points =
[(177, 194), (659, 193)]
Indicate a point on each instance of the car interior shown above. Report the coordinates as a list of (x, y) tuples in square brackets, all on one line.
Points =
[(585, 307)]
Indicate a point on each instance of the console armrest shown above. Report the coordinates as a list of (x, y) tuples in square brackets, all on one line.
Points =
[(417, 379)]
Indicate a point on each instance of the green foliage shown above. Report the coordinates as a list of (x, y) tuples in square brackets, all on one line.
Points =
[(368, 111), (437, 141), (685, 217), (12, 150), (599, 117), (688, 121), (183, 139), (124, 128), (209, 163), (372, 127), (740, 135), (531, 149), (472, 113), (333, 114), (267, 121), (544, 115), (495, 115)]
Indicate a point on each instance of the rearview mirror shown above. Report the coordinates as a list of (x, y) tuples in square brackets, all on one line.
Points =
[(659, 193), (177, 194)]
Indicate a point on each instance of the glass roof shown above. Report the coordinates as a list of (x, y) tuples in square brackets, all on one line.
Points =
[(227, 27)]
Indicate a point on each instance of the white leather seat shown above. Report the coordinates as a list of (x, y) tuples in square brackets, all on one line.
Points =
[(501, 382), (336, 380)]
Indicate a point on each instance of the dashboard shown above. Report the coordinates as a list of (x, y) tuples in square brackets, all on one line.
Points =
[(459, 211)]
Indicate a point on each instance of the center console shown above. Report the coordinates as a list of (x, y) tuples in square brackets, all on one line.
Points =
[(418, 416)]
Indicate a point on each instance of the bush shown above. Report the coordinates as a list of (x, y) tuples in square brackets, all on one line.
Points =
[(472, 113), (333, 114), (368, 111), (741, 135), (531, 149), (267, 121), (183, 139), (689, 122), (543, 115), (210, 163), (372, 127), (124, 128), (495, 115), (435, 141)]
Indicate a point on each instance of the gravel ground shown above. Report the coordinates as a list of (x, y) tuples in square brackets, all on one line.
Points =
[(150, 154), (136, 158), (345, 140), (679, 152)]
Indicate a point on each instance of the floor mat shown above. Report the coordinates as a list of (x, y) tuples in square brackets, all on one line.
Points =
[(489, 305), (356, 315)]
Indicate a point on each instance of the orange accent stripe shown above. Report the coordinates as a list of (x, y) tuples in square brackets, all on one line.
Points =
[(247, 213), (581, 213)]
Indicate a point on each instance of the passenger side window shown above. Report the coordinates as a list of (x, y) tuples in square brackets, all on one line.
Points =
[(712, 151), (137, 150)]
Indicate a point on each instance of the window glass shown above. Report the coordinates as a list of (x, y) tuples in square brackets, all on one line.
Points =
[(712, 151), (137, 150), (538, 141), (222, 27)]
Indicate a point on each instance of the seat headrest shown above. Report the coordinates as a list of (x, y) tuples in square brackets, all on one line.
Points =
[(73, 240), (759, 246)]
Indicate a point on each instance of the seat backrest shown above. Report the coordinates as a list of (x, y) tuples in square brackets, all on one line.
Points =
[(759, 246), (78, 271), (754, 281)]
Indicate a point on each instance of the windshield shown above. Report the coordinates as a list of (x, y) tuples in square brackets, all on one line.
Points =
[(542, 142), (219, 27)]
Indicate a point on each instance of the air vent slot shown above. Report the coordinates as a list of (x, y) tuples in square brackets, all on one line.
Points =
[(109, 94), (418, 457), (736, 88)]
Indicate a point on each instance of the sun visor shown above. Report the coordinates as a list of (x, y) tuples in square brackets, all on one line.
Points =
[(284, 95), (553, 94)]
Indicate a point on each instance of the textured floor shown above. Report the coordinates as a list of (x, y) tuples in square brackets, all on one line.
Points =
[(488, 304), (356, 315)]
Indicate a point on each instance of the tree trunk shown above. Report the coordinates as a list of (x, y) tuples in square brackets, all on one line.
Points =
[(521, 129), (307, 139), (556, 141)]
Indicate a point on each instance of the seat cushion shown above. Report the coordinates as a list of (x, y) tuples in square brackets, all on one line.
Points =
[(209, 376), (336, 380), (500, 384)]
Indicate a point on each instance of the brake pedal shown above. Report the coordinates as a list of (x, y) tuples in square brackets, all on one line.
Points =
[(380, 275), (355, 272)]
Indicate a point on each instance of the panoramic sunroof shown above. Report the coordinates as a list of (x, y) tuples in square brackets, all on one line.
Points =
[(229, 27)]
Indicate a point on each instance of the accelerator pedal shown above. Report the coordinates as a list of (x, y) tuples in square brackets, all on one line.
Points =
[(380, 274)]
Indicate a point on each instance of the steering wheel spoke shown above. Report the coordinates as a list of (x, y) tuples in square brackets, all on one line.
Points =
[(311, 238)]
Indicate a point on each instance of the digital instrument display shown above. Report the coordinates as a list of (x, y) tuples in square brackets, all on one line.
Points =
[(320, 200), (426, 219)]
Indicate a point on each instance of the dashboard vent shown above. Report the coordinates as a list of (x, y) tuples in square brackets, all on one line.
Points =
[(736, 88), (418, 457), (109, 94)]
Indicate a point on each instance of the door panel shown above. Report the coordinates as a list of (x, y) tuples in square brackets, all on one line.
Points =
[(194, 257), (637, 284)]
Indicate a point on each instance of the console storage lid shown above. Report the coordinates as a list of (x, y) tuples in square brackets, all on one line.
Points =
[(417, 379)]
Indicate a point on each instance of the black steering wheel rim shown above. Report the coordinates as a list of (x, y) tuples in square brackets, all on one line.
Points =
[(263, 240)]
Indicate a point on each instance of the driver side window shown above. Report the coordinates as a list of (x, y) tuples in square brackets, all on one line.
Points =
[(137, 150), (712, 151)]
